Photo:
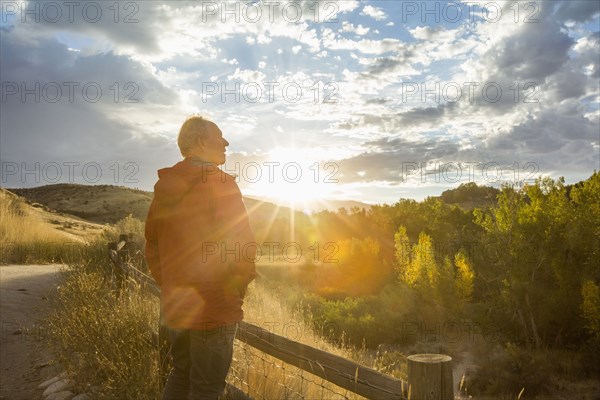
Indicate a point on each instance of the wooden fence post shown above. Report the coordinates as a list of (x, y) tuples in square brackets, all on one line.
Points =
[(430, 377)]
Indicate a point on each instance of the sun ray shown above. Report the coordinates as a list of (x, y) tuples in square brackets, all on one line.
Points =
[(270, 219)]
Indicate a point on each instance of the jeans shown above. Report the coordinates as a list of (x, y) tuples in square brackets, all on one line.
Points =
[(201, 360)]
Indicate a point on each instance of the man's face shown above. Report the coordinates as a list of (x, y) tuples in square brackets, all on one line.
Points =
[(212, 148)]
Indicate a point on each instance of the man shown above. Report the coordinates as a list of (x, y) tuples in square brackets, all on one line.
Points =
[(200, 250)]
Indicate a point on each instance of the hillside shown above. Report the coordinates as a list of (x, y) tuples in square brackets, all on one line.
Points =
[(32, 231), (101, 203), (109, 204)]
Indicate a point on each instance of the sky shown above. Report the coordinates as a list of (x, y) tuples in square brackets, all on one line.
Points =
[(370, 101)]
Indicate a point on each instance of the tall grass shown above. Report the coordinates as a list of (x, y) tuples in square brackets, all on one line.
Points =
[(105, 343), (263, 376), (25, 239)]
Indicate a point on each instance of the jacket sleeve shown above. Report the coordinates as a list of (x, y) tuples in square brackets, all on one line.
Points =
[(247, 268), (233, 226), (152, 254)]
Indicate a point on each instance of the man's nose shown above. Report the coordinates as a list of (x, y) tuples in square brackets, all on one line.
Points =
[(226, 143)]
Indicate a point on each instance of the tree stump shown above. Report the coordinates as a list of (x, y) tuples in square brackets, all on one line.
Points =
[(430, 377)]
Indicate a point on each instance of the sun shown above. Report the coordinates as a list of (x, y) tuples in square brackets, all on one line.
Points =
[(297, 181), (296, 193)]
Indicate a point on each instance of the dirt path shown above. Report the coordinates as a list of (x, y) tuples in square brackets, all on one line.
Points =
[(24, 359)]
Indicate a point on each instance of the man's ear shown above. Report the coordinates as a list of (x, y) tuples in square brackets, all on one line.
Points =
[(200, 143)]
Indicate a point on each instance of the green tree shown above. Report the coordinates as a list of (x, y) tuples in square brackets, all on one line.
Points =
[(538, 253), (591, 307)]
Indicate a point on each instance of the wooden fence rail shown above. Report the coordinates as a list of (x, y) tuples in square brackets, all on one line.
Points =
[(430, 376)]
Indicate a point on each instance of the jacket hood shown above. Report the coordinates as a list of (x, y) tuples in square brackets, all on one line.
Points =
[(174, 182)]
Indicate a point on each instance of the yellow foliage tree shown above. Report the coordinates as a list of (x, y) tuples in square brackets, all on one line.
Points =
[(423, 264), (402, 253), (465, 276)]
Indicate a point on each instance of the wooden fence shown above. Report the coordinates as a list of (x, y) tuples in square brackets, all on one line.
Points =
[(429, 375)]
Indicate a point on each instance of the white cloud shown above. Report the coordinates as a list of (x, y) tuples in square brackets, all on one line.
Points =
[(346, 6), (359, 30), (247, 75), (263, 39), (233, 61), (374, 12)]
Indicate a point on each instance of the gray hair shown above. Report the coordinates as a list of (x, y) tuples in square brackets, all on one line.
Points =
[(194, 127)]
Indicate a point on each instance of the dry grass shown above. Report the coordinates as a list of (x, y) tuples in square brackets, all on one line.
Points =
[(19, 225), (265, 377), (105, 343), (25, 238)]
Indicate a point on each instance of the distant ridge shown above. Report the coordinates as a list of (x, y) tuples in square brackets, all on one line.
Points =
[(110, 203), (316, 206), (99, 203)]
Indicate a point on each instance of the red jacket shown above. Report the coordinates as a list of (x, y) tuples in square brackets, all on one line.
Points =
[(199, 246)]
